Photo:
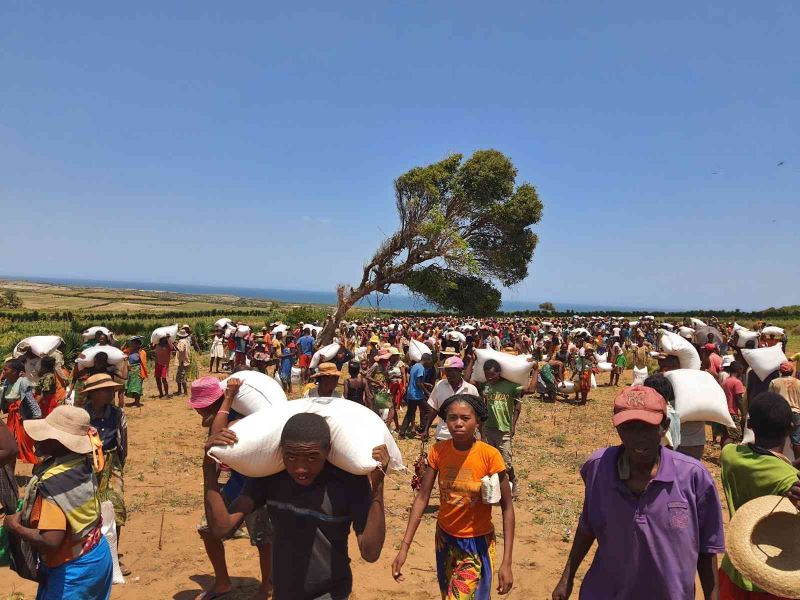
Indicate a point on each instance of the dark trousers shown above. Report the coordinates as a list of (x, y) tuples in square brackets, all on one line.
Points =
[(411, 412)]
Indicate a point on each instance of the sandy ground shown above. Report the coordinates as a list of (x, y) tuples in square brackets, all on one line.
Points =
[(164, 484)]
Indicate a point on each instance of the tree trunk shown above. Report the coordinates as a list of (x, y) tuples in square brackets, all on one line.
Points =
[(346, 302)]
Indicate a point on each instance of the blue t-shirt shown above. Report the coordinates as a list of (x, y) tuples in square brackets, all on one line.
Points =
[(415, 377), (306, 344)]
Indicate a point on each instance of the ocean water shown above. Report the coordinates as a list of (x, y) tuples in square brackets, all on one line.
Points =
[(395, 301)]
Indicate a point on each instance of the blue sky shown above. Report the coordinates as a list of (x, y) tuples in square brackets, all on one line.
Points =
[(255, 144)]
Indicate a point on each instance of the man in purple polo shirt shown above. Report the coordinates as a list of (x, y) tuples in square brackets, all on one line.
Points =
[(655, 514)]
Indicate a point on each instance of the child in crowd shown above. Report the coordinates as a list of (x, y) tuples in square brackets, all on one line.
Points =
[(465, 539)]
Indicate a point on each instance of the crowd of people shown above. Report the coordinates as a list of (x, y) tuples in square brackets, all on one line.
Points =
[(650, 503)]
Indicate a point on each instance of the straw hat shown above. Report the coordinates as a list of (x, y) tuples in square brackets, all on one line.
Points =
[(449, 350), (100, 381), (326, 370), (68, 425), (763, 544)]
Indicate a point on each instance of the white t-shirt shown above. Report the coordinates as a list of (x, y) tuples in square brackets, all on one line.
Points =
[(441, 392)]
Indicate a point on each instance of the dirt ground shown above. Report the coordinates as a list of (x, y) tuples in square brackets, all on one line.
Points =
[(164, 486)]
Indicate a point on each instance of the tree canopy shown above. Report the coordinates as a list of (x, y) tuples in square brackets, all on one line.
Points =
[(465, 228)]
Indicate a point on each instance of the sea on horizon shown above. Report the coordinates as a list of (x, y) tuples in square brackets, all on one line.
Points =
[(392, 301)]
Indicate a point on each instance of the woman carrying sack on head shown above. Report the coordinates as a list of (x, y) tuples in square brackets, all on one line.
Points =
[(60, 516), (137, 370), (17, 399)]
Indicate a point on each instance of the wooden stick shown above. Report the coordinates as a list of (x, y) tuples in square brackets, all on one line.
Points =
[(161, 530)]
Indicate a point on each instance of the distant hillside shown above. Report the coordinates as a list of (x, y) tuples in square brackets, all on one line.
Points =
[(793, 309)]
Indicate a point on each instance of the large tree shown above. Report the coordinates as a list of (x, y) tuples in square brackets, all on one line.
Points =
[(464, 227)]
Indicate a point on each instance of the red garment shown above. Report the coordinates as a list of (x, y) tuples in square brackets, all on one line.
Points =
[(732, 386), (398, 392), (730, 591), (24, 442), (715, 360)]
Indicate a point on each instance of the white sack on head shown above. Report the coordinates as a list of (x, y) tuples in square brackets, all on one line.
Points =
[(674, 345), (697, 323), (416, 349), (279, 329), (686, 332), (764, 361), (772, 331), (513, 368), (162, 332), (222, 323), (355, 432), (40, 345), (455, 336), (86, 358), (89, 334), (257, 392), (698, 397), (742, 336), (242, 330), (324, 354)]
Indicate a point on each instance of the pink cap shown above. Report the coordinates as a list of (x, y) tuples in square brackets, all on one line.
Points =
[(205, 391), (454, 362), (639, 403)]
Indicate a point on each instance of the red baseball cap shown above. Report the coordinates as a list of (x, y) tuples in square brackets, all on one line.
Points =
[(639, 403)]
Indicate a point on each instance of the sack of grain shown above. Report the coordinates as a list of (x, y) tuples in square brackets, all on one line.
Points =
[(416, 350), (257, 392), (222, 323), (324, 354), (242, 330), (86, 358), (40, 345), (698, 397), (675, 345), (764, 361), (639, 375), (297, 376), (772, 331), (355, 432), (513, 368), (605, 367), (162, 332), (566, 387), (88, 334)]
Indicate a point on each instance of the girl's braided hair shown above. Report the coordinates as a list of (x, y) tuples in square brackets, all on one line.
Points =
[(477, 404)]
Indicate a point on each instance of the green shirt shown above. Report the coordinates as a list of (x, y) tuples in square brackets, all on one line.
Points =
[(500, 398), (749, 474)]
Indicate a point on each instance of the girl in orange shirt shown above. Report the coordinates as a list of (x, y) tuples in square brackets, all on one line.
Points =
[(465, 540)]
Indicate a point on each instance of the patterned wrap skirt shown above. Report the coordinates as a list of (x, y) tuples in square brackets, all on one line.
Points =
[(464, 566)]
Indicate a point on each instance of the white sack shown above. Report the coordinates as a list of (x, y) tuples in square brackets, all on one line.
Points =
[(513, 368), (764, 361), (277, 378), (86, 358), (455, 336), (324, 354), (697, 323), (89, 334), (698, 397), (242, 331), (40, 345), (162, 332), (745, 335), (594, 382), (772, 331), (360, 353), (257, 392), (639, 375), (416, 349), (686, 332), (605, 367), (675, 345), (566, 386), (222, 323), (109, 531), (297, 376), (490, 489), (355, 431), (279, 329)]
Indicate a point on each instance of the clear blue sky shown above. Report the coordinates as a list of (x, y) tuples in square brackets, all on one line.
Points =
[(255, 143)]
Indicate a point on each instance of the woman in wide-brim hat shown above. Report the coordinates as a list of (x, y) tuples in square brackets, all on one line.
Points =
[(109, 420), (60, 516)]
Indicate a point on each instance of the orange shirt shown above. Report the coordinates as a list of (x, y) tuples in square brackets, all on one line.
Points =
[(48, 516), (462, 513)]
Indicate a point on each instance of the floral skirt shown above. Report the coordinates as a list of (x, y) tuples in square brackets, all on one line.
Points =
[(133, 385), (464, 566)]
